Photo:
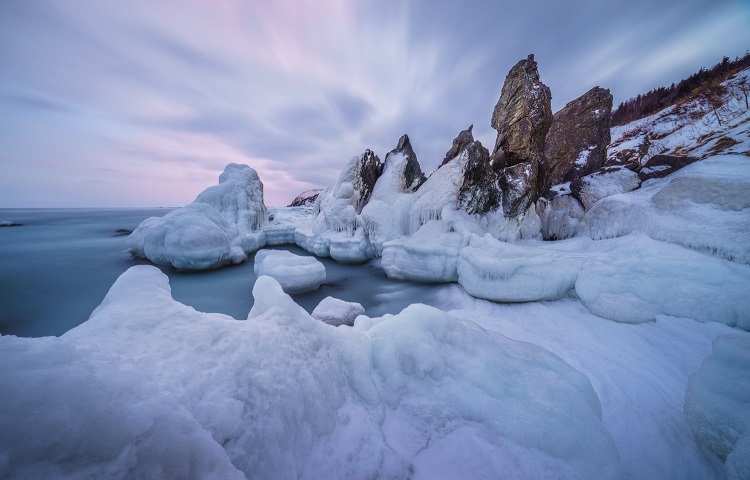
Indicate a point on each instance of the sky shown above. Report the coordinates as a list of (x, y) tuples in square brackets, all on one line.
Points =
[(143, 103)]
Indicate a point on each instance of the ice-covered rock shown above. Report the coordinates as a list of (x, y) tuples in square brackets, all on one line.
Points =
[(306, 198), (705, 206), (336, 312), (506, 272), (283, 224), (660, 166), (522, 117), (194, 237), (717, 403), (635, 278), (576, 144), (154, 384), (603, 183), (9, 223), (295, 273), (559, 217), (221, 226)]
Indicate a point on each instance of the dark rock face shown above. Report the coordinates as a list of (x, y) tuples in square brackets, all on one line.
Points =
[(479, 191), (463, 140), (577, 141), (370, 169), (413, 175), (306, 199), (660, 166), (522, 117)]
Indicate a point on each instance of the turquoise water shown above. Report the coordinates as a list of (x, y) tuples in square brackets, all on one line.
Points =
[(57, 267)]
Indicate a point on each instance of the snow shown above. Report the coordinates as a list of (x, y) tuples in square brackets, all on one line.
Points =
[(221, 226), (717, 402), (705, 206), (295, 273), (281, 395), (583, 157), (337, 312)]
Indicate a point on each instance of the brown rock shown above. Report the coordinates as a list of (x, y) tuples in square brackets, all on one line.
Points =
[(522, 117), (464, 139), (660, 166), (577, 141)]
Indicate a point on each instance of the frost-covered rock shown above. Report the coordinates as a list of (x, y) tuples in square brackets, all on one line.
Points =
[(705, 206), (659, 166), (576, 144), (559, 217), (194, 237), (522, 117), (306, 198), (295, 273), (156, 384), (221, 226), (336, 312), (717, 403), (604, 183)]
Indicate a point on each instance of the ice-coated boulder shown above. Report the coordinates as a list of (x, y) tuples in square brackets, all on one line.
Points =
[(522, 117), (194, 237), (603, 183), (659, 166), (336, 312), (148, 387), (559, 217), (705, 206), (717, 403), (577, 140), (221, 226), (295, 273), (307, 198)]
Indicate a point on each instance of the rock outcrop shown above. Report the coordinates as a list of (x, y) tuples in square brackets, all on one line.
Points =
[(306, 199), (522, 117), (413, 175), (464, 138), (576, 143), (370, 169), (660, 166)]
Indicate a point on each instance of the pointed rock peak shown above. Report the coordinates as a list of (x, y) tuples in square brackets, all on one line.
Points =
[(413, 175), (370, 169), (463, 140)]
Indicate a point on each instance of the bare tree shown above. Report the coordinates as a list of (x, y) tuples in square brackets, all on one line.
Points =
[(742, 84), (713, 96)]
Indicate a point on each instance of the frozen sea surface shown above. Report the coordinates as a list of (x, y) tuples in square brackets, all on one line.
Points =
[(57, 267)]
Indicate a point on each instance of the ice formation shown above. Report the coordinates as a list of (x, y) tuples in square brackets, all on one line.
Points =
[(295, 273), (705, 206), (221, 226), (717, 403), (605, 183), (336, 312), (281, 395)]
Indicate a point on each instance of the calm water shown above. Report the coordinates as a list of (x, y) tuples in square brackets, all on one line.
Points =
[(57, 267)]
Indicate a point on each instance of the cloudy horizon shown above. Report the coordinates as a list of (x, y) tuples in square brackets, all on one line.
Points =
[(106, 104)]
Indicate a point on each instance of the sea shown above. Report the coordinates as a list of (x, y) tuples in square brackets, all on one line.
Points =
[(56, 266)]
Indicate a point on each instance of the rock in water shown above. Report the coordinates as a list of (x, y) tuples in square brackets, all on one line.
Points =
[(336, 312), (522, 117), (295, 273), (306, 199), (577, 141)]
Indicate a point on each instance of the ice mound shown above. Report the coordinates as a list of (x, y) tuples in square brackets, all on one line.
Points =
[(605, 183), (507, 272), (194, 237), (419, 394), (717, 403), (636, 278), (221, 226), (336, 312), (295, 273), (705, 206), (559, 217)]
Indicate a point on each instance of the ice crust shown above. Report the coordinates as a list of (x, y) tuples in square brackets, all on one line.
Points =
[(717, 403), (705, 206), (295, 273), (221, 226), (283, 395), (336, 312)]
